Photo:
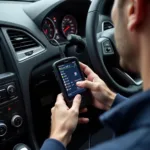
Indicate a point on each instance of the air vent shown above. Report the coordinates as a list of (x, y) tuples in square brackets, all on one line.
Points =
[(107, 25), (25, 45), (21, 40)]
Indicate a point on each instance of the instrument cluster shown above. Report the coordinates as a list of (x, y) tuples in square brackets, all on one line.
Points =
[(58, 26)]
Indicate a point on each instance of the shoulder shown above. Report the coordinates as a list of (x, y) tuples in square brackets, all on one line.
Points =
[(137, 139)]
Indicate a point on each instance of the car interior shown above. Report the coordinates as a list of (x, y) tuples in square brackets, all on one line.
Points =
[(32, 32)]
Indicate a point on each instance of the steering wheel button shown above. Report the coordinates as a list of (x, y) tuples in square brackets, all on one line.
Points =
[(108, 49), (107, 44)]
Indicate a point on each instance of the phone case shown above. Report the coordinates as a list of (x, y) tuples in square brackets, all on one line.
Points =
[(86, 96)]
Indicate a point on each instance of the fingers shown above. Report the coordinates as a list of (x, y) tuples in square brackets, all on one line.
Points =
[(60, 99), (84, 110), (52, 109), (60, 102), (88, 84), (83, 120), (76, 103), (87, 70), (100, 105)]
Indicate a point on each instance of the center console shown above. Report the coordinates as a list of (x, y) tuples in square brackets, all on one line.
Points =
[(13, 124), (12, 113)]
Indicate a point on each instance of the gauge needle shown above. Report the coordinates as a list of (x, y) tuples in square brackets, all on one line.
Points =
[(45, 31), (66, 28)]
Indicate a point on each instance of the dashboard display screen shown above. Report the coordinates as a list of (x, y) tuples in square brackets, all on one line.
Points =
[(70, 74)]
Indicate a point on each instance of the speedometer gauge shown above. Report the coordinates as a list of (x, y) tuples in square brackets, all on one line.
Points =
[(48, 28), (69, 25)]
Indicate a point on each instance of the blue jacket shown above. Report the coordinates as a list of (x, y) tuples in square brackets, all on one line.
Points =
[(130, 121)]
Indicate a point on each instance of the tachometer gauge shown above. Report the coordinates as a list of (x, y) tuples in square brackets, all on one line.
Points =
[(48, 28), (69, 25)]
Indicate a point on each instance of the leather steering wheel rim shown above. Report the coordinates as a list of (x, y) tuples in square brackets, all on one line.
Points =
[(98, 8)]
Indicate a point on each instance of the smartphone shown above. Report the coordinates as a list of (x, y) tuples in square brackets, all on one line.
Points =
[(68, 72)]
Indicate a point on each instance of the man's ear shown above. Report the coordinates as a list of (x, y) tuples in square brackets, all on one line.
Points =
[(136, 10)]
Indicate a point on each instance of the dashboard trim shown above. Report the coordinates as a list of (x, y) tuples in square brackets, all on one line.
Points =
[(35, 51), (21, 55)]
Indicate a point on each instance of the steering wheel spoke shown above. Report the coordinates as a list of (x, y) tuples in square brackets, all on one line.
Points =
[(125, 76)]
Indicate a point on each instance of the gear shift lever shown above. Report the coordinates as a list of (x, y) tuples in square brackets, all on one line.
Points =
[(21, 146)]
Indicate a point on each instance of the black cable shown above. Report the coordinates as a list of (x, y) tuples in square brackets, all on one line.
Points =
[(61, 52)]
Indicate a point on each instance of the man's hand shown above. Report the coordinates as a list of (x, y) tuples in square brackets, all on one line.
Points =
[(103, 97), (64, 120)]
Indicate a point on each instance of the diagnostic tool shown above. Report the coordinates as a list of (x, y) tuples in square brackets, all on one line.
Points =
[(68, 72)]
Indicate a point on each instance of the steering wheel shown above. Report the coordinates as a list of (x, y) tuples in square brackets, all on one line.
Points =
[(102, 50)]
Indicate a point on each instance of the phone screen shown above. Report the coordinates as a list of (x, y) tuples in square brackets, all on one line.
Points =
[(70, 74)]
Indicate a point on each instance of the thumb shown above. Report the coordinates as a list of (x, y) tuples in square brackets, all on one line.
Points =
[(88, 84), (60, 99), (76, 103)]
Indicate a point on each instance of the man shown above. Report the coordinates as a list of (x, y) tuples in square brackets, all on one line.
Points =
[(130, 118)]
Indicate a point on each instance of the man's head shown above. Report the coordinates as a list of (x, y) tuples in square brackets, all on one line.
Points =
[(132, 22)]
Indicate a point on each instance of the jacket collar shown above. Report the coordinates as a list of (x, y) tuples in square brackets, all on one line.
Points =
[(129, 115)]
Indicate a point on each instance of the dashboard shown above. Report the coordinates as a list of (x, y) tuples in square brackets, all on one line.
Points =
[(62, 21), (27, 52), (28, 87)]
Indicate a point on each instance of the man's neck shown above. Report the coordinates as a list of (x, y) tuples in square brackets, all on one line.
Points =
[(145, 62), (146, 76)]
